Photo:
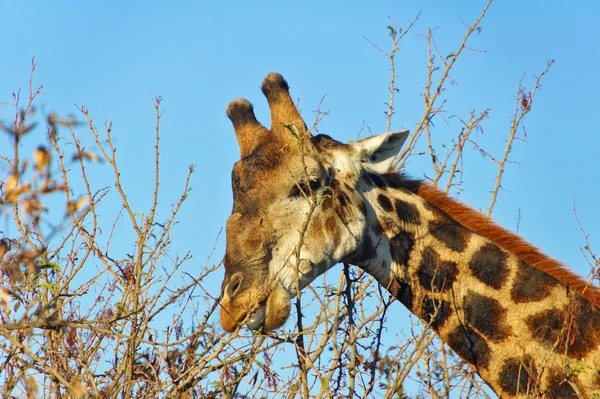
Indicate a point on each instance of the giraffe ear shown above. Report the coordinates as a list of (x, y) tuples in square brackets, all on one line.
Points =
[(378, 152)]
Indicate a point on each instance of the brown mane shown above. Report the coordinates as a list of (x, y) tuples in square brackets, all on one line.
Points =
[(484, 226)]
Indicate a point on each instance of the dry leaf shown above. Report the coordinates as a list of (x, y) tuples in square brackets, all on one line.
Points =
[(33, 208), (11, 183), (41, 159), (12, 190), (4, 247), (86, 155), (78, 205)]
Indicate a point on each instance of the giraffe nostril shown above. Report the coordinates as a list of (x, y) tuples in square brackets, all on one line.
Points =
[(234, 285)]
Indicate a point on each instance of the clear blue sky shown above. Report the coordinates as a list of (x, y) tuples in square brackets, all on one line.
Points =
[(200, 55)]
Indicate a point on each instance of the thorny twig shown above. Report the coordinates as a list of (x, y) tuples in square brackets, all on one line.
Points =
[(523, 103)]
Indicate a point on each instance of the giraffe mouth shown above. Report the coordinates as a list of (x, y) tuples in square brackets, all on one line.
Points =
[(257, 318), (272, 312)]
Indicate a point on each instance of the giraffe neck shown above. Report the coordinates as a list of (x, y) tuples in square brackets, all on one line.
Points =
[(522, 329)]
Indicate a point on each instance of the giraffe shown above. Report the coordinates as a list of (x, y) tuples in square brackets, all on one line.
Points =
[(301, 204)]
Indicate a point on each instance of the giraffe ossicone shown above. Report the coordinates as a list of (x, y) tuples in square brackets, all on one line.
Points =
[(303, 203)]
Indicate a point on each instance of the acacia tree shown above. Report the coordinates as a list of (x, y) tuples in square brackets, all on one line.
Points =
[(78, 317)]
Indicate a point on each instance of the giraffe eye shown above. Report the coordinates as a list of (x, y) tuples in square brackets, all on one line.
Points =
[(304, 188), (315, 184)]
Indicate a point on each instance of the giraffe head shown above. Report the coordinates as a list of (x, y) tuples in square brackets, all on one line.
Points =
[(298, 208)]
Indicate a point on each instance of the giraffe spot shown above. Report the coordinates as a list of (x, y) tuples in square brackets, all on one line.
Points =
[(362, 208), (471, 346), (487, 316), (407, 213), (435, 312), (559, 388), (330, 225), (436, 274), (343, 199), (385, 203), (402, 292), (517, 376), (452, 235), (401, 247), (574, 330), (531, 284), (546, 327), (489, 266), (331, 229), (327, 203), (586, 333), (438, 214)]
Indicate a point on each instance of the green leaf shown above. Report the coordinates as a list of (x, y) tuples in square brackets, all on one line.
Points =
[(451, 55), (52, 287), (579, 367), (44, 264), (392, 30), (289, 127), (289, 143), (17, 296)]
